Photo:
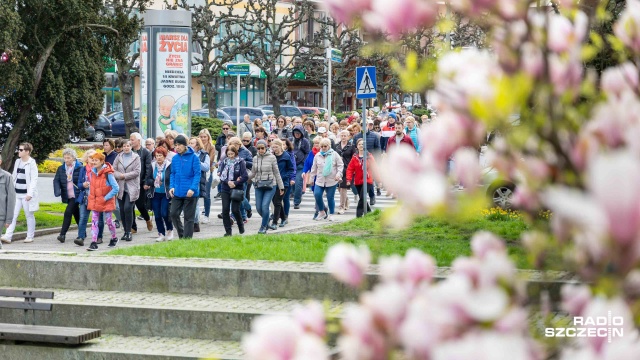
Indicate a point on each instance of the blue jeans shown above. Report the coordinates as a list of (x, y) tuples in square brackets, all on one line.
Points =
[(207, 199), (263, 202), (331, 197), (160, 206), (297, 193), (84, 217)]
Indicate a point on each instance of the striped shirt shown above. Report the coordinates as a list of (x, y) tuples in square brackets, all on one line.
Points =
[(21, 178)]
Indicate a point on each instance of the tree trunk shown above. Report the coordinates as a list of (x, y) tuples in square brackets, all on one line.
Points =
[(125, 80), (423, 99), (274, 95), (212, 98), (337, 100), (9, 148)]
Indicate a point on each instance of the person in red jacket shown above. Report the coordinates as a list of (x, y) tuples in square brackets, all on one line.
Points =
[(103, 189), (399, 138), (355, 175)]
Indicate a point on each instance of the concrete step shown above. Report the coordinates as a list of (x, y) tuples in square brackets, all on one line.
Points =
[(154, 314), (116, 347)]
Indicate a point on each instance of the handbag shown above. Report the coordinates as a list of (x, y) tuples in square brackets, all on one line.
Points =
[(264, 184), (237, 195)]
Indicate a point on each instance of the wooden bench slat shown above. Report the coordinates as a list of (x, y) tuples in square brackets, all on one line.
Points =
[(49, 334), (25, 305), (26, 293)]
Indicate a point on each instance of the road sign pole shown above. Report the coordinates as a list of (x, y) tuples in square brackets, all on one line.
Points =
[(238, 105), (329, 88), (364, 159)]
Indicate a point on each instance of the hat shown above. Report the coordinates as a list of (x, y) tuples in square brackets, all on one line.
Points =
[(322, 130), (369, 121), (262, 142), (180, 139), (393, 115)]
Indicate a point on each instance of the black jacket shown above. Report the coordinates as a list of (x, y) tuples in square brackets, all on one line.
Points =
[(111, 157), (373, 142), (220, 142), (240, 171), (60, 182), (146, 172), (301, 147)]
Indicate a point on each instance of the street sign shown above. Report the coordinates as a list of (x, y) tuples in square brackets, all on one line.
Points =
[(366, 82), (238, 69), (335, 55)]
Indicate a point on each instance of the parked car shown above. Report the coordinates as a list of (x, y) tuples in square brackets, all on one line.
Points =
[(286, 110), (117, 122), (309, 110), (252, 111), (100, 130), (222, 115)]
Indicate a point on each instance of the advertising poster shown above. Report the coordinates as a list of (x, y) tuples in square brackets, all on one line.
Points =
[(173, 82), (144, 83)]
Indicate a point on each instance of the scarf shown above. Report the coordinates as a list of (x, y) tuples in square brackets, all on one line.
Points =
[(229, 168), (160, 168), (328, 163)]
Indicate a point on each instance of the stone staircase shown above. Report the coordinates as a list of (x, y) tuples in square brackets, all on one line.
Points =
[(154, 308)]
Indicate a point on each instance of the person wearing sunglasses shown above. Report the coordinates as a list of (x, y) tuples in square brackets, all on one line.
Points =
[(267, 180), (327, 168), (25, 182)]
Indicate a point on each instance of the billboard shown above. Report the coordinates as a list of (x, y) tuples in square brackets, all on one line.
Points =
[(144, 82), (172, 81)]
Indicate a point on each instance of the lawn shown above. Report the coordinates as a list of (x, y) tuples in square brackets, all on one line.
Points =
[(49, 216), (444, 240)]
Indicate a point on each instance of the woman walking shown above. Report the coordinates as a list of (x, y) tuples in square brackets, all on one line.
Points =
[(281, 129), (266, 180), (205, 136), (288, 195), (412, 131), (65, 185), (288, 174), (25, 182), (233, 175), (345, 149), (205, 164), (160, 202), (327, 168), (127, 173), (355, 175), (102, 193), (84, 181)]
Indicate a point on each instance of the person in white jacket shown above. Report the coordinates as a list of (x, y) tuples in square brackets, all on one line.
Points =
[(25, 182)]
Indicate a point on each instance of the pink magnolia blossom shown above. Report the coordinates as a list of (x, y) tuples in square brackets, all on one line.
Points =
[(345, 11), (575, 298), (484, 242), (627, 28), (424, 328), (600, 307), (388, 303), (514, 321), (272, 338), (362, 340), (487, 345), (613, 119), (532, 59), (407, 15), (620, 79), (565, 73), (525, 198), (414, 268), (564, 35), (311, 318), (311, 347), (467, 170), (348, 263)]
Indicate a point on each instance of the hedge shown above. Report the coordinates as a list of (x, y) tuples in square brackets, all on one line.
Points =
[(213, 125)]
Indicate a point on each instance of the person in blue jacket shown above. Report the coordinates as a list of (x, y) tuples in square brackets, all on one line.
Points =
[(184, 187), (288, 175), (308, 164), (65, 185)]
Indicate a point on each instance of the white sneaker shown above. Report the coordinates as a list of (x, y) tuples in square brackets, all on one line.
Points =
[(169, 236), (160, 238), (330, 218), (28, 240), (341, 211), (321, 216), (5, 239), (204, 219)]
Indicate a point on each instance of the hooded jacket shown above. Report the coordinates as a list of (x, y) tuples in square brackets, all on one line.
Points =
[(103, 189), (185, 174), (60, 182), (301, 147), (286, 168)]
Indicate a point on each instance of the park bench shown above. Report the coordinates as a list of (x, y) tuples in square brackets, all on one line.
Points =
[(39, 333)]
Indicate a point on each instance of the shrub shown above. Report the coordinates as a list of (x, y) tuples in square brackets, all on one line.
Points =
[(213, 125), (49, 167)]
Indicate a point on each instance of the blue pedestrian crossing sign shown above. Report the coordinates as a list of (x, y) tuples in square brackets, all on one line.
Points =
[(366, 82)]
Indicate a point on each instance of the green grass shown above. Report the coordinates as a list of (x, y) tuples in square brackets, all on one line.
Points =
[(441, 239), (50, 215)]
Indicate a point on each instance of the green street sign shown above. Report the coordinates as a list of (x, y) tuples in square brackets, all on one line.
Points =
[(335, 55), (237, 69)]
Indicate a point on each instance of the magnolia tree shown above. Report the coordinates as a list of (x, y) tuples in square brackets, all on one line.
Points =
[(575, 151)]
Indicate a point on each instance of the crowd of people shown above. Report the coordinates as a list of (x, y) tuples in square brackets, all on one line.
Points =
[(173, 175)]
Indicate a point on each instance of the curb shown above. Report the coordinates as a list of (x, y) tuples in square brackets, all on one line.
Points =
[(40, 232), (46, 175)]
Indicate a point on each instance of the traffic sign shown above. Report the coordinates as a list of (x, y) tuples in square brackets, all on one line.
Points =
[(335, 55), (366, 82), (238, 69)]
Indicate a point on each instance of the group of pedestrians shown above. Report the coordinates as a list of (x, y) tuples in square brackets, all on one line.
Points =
[(172, 175)]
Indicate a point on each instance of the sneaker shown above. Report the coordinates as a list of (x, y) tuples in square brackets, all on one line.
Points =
[(220, 216), (249, 213), (93, 247), (196, 227), (113, 242), (160, 238), (204, 219), (169, 236), (149, 225), (378, 192), (321, 216), (99, 241), (262, 231), (330, 218), (296, 206), (245, 221), (140, 217), (61, 238), (28, 240), (218, 196), (117, 224), (373, 201), (315, 216), (129, 237), (283, 223), (124, 237), (79, 241), (341, 211), (273, 226), (227, 235), (5, 239)]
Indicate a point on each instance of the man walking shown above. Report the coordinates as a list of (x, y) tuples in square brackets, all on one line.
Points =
[(184, 187), (7, 198), (146, 180), (246, 126), (301, 149)]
